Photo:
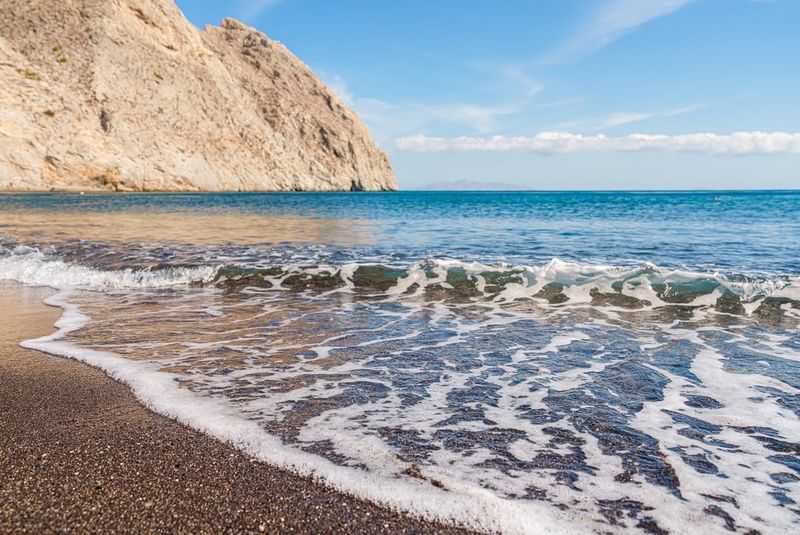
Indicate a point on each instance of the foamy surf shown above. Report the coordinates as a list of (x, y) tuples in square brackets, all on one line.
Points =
[(29, 265), (158, 390), (561, 426), (558, 282), (442, 470)]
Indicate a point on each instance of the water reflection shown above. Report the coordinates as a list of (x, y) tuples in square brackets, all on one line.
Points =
[(198, 228)]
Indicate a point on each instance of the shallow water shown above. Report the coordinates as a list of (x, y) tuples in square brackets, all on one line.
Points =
[(592, 362)]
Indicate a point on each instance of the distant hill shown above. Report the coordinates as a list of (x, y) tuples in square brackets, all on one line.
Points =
[(129, 95)]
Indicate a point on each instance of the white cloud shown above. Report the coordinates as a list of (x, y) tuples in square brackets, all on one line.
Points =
[(739, 143), (388, 120), (250, 10), (502, 75), (476, 116), (619, 119), (516, 74), (561, 103), (616, 119), (613, 20)]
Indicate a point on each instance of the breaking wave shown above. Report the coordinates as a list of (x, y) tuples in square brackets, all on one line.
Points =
[(556, 283), (30, 265)]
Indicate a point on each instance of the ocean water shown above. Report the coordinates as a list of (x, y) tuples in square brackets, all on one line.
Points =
[(622, 362)]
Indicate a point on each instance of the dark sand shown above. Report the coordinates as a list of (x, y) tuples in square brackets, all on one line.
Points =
[(78, 453)]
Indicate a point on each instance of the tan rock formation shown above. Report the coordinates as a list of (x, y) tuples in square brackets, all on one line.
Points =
[(128, 95)]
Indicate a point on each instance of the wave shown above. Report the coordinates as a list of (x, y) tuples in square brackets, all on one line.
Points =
[(32, 266), (555, 283)]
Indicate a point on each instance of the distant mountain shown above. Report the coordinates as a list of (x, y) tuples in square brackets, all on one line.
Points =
[(129, 95), (469, 185)]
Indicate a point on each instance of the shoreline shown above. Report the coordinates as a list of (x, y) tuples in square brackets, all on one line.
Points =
[(78, 451)]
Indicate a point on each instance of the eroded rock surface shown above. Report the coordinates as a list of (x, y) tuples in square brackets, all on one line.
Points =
[(128, 95)]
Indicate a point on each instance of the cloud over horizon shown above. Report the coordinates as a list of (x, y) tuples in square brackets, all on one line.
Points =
[(550, 143)]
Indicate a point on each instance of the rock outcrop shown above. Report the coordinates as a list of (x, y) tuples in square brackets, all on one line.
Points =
[(128, 95)]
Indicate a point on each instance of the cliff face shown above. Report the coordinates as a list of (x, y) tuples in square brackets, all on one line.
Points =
[(128, 95)]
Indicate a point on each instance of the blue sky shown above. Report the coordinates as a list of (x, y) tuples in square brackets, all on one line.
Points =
[(558, 94)]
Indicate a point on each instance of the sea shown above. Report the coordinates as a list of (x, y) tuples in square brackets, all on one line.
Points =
[(513, 362)]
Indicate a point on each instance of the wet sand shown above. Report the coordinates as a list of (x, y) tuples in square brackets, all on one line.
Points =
[(79, 453)]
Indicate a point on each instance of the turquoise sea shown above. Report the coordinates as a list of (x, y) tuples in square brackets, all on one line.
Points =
[(585, 362)]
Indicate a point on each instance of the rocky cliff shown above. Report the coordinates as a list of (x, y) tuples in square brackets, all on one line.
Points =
[(128, 95)]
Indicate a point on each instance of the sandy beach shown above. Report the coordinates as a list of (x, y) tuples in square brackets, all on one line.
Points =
[(79, 453)]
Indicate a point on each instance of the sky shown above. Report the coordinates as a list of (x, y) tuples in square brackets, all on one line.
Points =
[(557, 94)]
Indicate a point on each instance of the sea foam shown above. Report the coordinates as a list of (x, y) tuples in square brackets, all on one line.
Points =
[(579, 283), (32, 266), (160, 392)]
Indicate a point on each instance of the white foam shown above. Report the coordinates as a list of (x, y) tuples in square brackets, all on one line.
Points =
[(578, 281), (478, 497), (467, 505), (746, 465), (31, 266)]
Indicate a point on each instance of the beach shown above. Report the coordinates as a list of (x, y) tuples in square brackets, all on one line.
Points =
[(79, 453)]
